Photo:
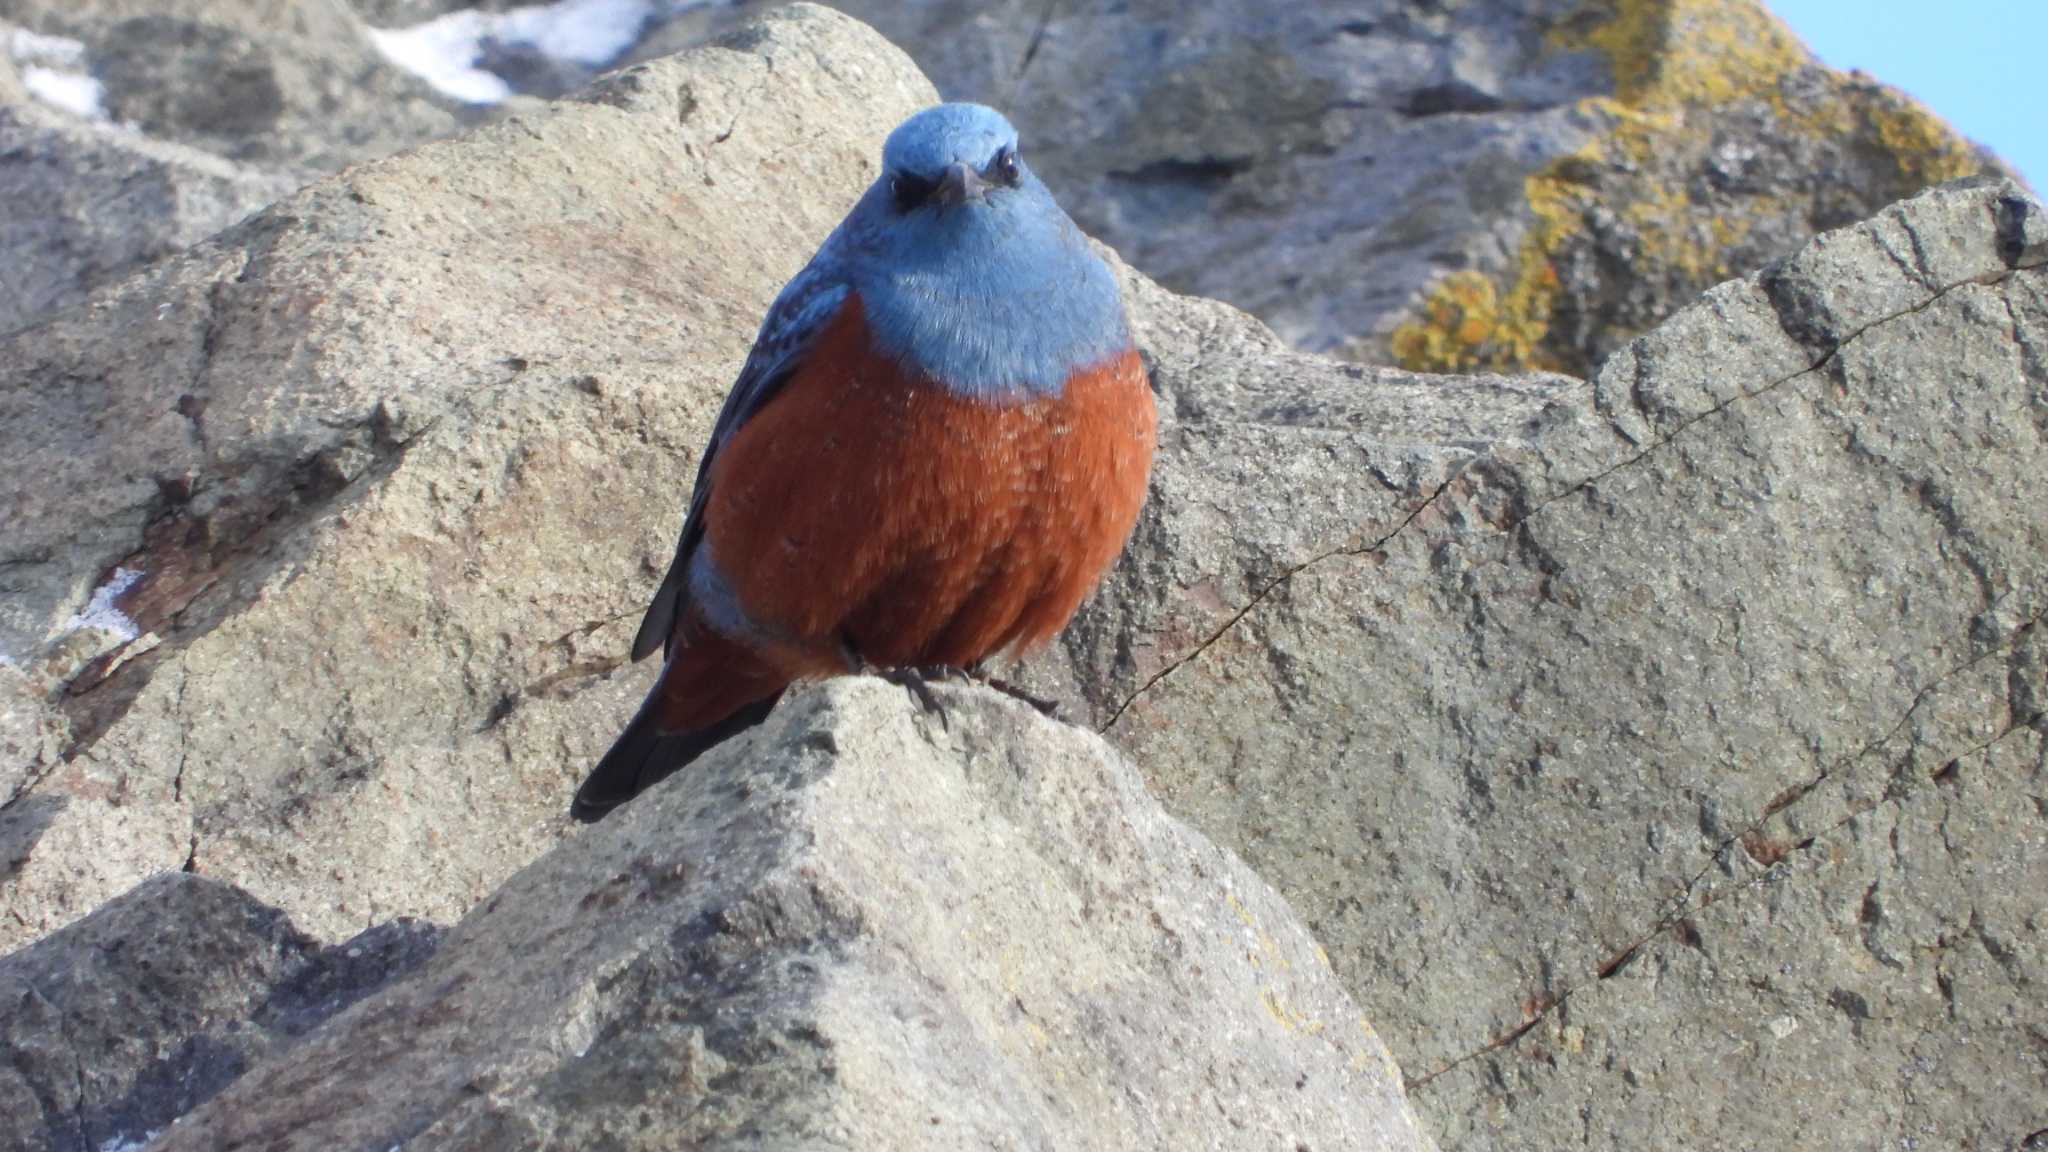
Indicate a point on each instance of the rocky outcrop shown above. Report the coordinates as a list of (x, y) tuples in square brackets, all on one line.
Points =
[(89, 204), (12, 90), (1669, 764), (286, 85), (118, 1025), (861, 926), (1528, 184), (1659, 757), (320, 536), (155, 126), (1450, 187)]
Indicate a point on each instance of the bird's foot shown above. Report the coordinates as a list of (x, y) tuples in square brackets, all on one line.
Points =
[(918, 681), (1047, 707)]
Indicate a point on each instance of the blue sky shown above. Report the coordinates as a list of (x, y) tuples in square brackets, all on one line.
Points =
[(1977, 63)]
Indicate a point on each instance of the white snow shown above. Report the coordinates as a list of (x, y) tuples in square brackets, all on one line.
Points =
[(74, 92), (444, 51), (102, 614), (53, 71), (34, 48), (116, 1144)]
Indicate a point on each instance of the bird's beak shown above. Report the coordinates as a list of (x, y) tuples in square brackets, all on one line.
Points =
[(959, 185)]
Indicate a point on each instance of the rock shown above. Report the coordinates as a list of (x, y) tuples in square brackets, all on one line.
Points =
[(405, 13), (1576, 718), (325, 540), (1490, 185), (11, 89), (287, 85), (1531, 184), (1669, 766), (89, 204), (863, 927), (123, 1022), (155, 126)]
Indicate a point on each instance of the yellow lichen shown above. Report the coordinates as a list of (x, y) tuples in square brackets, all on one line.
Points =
[(1928, 152), (1685, 53), (1467, 324), (1675, 64)]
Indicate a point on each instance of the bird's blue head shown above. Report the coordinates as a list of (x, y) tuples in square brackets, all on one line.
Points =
[(969, 271), (944, 157)]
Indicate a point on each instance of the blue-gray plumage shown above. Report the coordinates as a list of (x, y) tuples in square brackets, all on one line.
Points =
[(938, 444), (1002, 303), (988, 301)]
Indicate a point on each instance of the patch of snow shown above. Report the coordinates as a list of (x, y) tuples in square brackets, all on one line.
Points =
[(102, 614), (74, 92), (53, 71), (56, 51), (444, 51), (116, 1144)]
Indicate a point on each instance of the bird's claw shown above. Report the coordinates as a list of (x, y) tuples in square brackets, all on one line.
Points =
[(1047, 707), (918, 682)]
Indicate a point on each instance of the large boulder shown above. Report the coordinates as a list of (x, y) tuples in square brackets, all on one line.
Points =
[(860, 926), (88, 204), (1577, 718), (1499, 184), (1531, 184), (116, 1026), (325, 540), (153, 126), (288, 85), (328, 538), (1670, 769)]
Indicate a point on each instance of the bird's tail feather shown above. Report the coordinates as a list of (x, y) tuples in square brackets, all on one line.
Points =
[(646, 752)]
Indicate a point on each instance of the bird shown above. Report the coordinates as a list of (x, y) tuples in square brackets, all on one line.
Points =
[(939, 443)]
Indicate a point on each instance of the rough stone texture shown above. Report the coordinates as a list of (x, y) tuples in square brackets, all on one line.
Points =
[(1490, 184), (1675, 773), (121, 1023), (289, 85), (1577, 718), (399, 459), (11, 89), (89, 203), (861, 926), (214, 108), (1529, 183)]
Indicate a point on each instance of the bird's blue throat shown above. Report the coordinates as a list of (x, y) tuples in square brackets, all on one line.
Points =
[(999, 299)]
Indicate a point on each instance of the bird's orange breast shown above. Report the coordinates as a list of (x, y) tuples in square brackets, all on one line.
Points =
[(865, 510)]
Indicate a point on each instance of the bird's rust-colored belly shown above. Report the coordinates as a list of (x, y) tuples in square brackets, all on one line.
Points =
[(868, 511)]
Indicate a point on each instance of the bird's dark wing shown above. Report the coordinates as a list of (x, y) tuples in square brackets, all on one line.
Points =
[(806, 306)]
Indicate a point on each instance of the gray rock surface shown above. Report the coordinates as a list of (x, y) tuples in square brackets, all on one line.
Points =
[(861, 926), (207, 110), (12, 90), (1530, 184), (1602, 731), (288, 85), (1502, 184), (395, 460), (121, 1023), (89, 203), (1671, 769)]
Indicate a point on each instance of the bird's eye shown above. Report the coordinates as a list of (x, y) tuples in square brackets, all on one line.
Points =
[(1006, 170), (908, 191)]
